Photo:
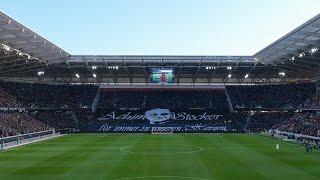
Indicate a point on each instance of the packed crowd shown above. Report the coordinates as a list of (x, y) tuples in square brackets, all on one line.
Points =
[(271, 96), (67, 106), (56, 118), (16, 123), (152, 99), (6, 100), (115, 99), (262, 121), (307, 123), (312, 103), (78, 96), (52, 96)]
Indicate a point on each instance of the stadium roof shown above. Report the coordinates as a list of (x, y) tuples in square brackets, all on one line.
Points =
[(15, 36), (159, 59), (22, 52), (300, 40)]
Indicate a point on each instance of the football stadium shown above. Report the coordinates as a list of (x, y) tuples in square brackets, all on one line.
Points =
[(165, 117)]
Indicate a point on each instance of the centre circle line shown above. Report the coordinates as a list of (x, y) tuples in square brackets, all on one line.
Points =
[(199, 149), (146, 177)]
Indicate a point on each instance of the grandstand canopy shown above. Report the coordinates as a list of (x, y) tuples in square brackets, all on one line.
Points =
[(26, 55), (16, 36), (300, 40), (144, 60)]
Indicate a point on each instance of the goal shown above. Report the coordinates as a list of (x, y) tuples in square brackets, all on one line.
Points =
[(162, 130)]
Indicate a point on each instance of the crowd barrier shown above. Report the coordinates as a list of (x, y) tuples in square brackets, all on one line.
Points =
[(14, 141), (290, 135)]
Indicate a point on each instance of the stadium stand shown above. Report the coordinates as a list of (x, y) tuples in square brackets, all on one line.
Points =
[(53, 96), (73, 109), (262, 121), (69, 106), (6, 100), (307, 123), (312, 103), (171, 99), (271, 96), (55, 118), (15, 123)]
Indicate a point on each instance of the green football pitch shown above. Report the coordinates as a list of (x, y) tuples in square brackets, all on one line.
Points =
[(167, 157)]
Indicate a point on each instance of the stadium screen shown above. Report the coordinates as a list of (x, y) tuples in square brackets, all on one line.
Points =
[(162, 75)]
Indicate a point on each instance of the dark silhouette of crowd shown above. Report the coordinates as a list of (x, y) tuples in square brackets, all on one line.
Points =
[(262, 121), (52, 96), (15, 123), (67, 106), (306, 123), (6, 100), (47, 106), (60, 119), (312, 103), (169, 99), (271, 96)]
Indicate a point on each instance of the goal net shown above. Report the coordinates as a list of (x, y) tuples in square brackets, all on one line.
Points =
[(162, 130)]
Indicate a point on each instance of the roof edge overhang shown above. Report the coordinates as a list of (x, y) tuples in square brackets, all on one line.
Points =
[(34, 43), (259, 55)]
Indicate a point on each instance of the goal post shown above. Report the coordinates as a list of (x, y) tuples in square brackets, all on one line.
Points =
[(162, 130)]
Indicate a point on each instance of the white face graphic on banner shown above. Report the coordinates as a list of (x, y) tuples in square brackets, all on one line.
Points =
[(158, 115)]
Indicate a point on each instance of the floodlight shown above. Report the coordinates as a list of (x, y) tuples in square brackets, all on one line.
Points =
[(301, 55), (292, 58), (313, 50)]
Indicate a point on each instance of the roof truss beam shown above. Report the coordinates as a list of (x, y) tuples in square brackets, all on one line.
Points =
[(17, 65), (22, 69), (306, 41), (22, 38), (13, 31), (5, 22), (12, 61)]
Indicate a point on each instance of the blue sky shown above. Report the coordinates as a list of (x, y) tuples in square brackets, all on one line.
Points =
[(161, 27)]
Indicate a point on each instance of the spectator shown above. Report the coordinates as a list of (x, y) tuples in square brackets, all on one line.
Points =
[(270, 96), (52, 96), (150, 99), (16, 123), (307, 123)]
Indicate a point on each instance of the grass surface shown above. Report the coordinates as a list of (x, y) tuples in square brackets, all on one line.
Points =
[(168, 157)]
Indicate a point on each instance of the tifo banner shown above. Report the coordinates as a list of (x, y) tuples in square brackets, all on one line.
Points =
[(162, 120), (148, 128), (159, 116)]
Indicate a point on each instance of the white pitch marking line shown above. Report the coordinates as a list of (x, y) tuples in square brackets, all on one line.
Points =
[(146, 177), (199, 149)]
